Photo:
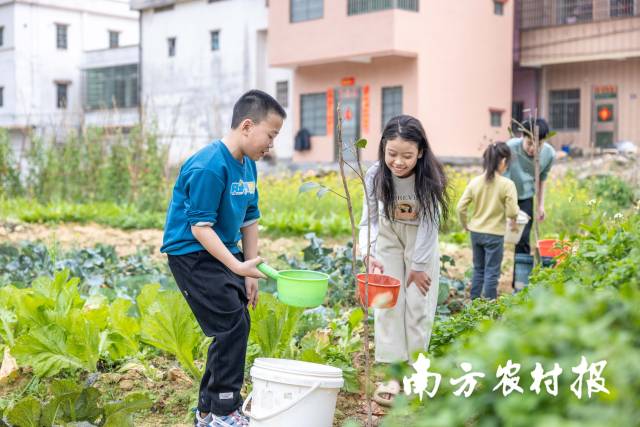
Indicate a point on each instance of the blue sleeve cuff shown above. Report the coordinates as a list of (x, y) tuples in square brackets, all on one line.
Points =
[(251, 216), (195, 216)]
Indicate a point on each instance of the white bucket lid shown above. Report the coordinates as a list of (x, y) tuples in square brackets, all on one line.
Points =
[(297, 372)]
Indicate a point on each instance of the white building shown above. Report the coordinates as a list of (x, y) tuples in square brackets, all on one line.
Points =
[(44, 45), (197, 58)]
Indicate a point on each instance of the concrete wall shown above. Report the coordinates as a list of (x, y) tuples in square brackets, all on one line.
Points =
[(189, 97), (585, 76), (462, 67), (37, 63)]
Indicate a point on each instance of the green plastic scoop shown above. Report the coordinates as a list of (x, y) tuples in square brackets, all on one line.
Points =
[(300, 288)]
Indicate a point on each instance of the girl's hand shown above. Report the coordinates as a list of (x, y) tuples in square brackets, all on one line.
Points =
[(374, 265), (421, 279)]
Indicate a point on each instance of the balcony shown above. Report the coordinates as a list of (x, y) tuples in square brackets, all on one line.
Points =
[(565, 31), (321, 32)]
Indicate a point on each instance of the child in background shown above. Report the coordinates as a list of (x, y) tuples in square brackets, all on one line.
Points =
[(495, 199)]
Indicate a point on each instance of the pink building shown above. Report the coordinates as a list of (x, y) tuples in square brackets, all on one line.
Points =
[(578, 62), (449, 63)]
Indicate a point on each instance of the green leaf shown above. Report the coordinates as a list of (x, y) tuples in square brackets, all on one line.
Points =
[(45, 349), (123, 340), (308, 186), (443, 292), (71, 402), (355, 318), (550, 135), (119, 414), (25, 413), (321, 192), (361, 143), (273, 326), (7, 322), (168, 324)]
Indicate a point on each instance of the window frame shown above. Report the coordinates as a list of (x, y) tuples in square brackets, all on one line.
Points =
[(565, 98), (318, 116), (62, 36), (308, 10), (384, 93)]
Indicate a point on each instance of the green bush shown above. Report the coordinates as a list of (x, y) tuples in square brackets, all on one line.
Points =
[(586, 306)]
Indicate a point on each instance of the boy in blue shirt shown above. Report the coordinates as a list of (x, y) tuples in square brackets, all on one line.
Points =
[(215, 205)]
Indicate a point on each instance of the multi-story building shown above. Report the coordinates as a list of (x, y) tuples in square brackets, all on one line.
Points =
[(42, 53), (578, 64), (449, 63), (197, 58)]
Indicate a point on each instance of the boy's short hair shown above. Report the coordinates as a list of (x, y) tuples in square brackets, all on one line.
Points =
[(255, 105), (543, 127)]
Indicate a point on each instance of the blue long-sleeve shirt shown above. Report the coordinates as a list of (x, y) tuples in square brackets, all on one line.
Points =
[(213, 189)]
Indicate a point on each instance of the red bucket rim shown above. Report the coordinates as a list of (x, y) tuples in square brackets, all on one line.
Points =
[(362, 277)]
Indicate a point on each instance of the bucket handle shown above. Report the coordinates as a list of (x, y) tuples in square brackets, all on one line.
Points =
[(277, 411), (268, 271)]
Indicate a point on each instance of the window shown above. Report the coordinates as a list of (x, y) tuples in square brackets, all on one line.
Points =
[(1, 96), (564, 106), (356, 7), (114, 39), (498, 7), (1, 36), (391, 103), (282, 93), (496, 118), (574, 11), (313, 113), (215, 40), (517, 111), (621, 8), (305, 10), (112, 87), (171, 44), (61, 36), (62, 99)]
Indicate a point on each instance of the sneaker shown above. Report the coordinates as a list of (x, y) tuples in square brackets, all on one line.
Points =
[(234, 419), (200, 421)]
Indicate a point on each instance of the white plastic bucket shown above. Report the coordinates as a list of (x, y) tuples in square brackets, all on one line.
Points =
[(513, 236), (290, 393)]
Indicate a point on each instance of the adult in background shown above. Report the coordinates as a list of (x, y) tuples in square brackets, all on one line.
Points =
[(522, 172)]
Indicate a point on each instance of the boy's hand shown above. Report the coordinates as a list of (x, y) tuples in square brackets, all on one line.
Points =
[(374, 265), (421, 279), (251, 286), (513, 225), (249, 269)]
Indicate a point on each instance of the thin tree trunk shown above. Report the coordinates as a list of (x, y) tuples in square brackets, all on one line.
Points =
[(341, 163)]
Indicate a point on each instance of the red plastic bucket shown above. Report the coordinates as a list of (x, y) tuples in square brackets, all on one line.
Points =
[(383, 290), (552, 248)]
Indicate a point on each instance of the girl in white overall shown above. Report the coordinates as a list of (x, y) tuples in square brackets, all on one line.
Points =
[(405, 201)]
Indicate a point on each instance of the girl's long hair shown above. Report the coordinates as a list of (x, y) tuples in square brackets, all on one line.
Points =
[(430, 179), (492, 157)]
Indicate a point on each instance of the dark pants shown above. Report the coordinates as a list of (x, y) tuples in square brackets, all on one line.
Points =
[(488, 250), (218, 299), (524, 245)]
